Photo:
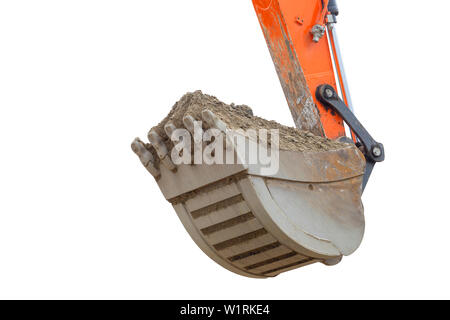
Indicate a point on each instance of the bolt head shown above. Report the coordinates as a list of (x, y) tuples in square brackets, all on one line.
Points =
[(377, 152), (329, 93)]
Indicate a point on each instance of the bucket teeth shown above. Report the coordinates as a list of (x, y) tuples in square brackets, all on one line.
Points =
[(146, 157), (194, 128), (170, 128), (213, 121), (189, 123), (161, 150)]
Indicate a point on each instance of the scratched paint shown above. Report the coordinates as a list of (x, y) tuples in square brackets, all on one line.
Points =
[(290, 73), (301, 64)]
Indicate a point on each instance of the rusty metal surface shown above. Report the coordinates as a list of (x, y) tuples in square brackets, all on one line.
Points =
[(302, 64), (290, 73)]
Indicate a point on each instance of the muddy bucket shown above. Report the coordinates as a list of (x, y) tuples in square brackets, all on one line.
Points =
[(260, 224)]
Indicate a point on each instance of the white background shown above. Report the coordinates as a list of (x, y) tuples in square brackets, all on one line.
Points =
[(81, 218)]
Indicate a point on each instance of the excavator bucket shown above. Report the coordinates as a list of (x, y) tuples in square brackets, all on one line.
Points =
[(262, 218), (251, 220)]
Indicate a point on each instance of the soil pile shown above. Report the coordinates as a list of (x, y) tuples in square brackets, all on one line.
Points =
[(241, 117)]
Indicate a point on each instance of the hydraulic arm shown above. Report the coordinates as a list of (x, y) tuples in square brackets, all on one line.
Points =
[(302, 40)]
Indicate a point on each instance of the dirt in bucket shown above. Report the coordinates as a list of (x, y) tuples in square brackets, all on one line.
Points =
[(241, 117)]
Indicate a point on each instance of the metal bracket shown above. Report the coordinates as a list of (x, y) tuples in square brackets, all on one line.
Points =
[(373, 151), (318, 31)]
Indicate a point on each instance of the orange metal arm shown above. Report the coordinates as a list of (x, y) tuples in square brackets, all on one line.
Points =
[(301, 63)]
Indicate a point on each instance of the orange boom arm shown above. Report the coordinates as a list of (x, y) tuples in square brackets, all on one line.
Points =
[(295, 31)]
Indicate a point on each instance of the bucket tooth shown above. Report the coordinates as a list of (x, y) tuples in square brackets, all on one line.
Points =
[(170, 128), (213, 121), (196, 130), (194, 127), (189, 123), (146, 157), (161, 150)]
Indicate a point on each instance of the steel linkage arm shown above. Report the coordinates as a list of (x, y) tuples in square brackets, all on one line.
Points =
[(373, 150)]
